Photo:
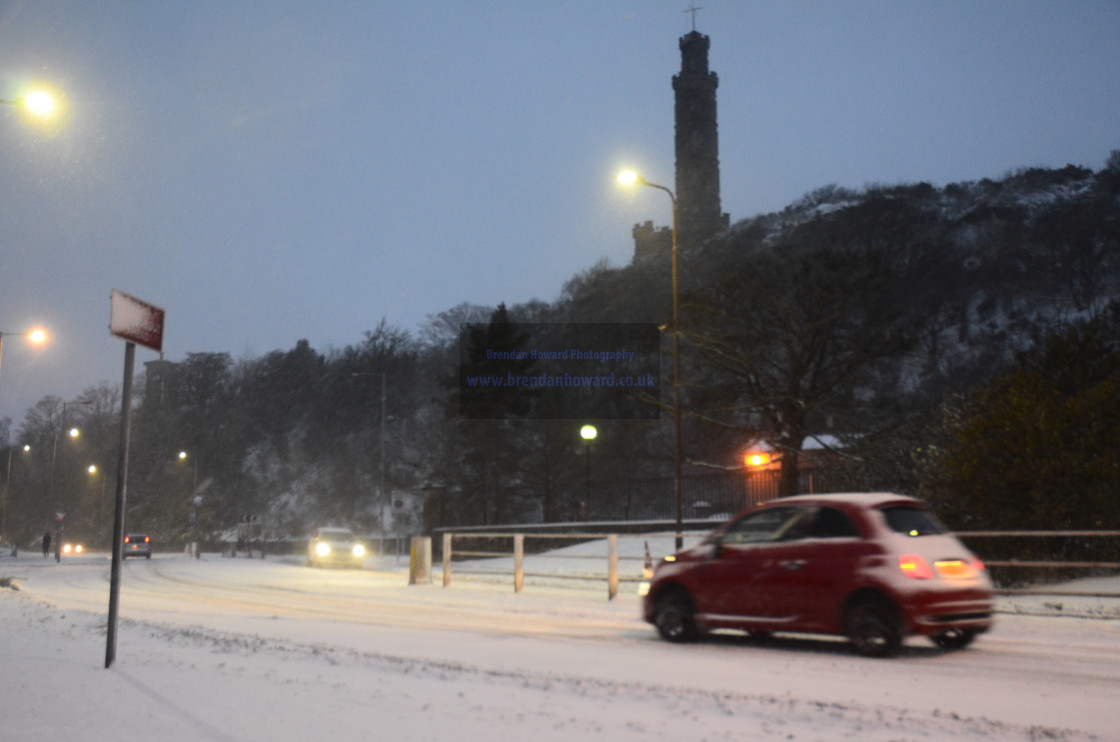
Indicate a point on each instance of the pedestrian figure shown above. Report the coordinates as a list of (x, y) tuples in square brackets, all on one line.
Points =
[(46, 543)]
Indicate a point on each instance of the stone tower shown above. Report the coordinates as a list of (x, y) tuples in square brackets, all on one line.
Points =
[(699, 215)]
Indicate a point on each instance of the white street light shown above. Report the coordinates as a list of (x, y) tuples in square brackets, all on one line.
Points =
[(631, 178)]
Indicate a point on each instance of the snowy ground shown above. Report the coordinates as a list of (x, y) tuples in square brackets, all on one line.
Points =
[(235, 649)]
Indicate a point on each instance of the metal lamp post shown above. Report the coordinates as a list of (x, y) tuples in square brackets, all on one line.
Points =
[(36, 336), (8, 498), (588, 433), (73, 433), (37, 102), (630, 178)]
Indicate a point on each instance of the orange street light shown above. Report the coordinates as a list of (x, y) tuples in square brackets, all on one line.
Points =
[(756, 459)]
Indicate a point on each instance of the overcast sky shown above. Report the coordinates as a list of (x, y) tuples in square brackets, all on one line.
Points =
[(271, 171)]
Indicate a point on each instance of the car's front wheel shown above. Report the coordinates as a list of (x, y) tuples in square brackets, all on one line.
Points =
[(873, 628), (954, 638), (674, 617)]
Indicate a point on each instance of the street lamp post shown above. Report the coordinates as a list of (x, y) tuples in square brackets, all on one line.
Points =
[(588, 433), (94, 471), (8, 499), (38, 102), (36, 336), (195, 501), (73, 433), (631, 178)]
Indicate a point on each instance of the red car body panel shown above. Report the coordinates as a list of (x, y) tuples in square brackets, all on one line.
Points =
[(804, 584)]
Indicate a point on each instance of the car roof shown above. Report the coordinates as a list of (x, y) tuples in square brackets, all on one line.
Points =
[(862, 499)]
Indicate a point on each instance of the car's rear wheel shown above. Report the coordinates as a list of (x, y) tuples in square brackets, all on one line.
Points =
[(873, 628), (954, 638), (674, 617)]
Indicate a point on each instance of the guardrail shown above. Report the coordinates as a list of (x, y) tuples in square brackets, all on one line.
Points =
[(1047, 564), (611, 576)]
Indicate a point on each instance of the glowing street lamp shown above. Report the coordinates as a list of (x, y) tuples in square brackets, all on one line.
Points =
[(756, 459), (195, 501), (631, 178), (36, 336), (588, 433), (8, 498), (72, 433), (38, 102)]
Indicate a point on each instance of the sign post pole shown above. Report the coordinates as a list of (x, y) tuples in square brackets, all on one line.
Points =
[(134, 321), (118, 516)]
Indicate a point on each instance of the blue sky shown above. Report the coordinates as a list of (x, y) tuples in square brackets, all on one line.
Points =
[(271, 171)]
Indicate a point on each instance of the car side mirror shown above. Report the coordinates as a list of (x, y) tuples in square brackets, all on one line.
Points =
[(716, 548)]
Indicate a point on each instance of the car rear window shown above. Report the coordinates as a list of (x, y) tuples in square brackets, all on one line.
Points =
[(912, 521)]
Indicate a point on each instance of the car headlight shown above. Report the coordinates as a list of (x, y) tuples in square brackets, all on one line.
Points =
[(323, 549), (359, 551)]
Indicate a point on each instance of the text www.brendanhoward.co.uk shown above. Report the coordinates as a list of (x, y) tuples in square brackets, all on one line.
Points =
[(560, 381)]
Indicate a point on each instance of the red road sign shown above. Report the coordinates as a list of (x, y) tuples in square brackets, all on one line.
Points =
[(136, 321)]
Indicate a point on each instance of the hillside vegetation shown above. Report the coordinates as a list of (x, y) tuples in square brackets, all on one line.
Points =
[(915, 329)]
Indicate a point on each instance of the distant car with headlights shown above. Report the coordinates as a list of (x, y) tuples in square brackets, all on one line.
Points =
[(335, 547), (872, 567), (72, 548), (137, 545)]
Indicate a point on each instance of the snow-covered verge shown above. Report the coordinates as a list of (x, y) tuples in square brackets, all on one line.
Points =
[(237, 650)]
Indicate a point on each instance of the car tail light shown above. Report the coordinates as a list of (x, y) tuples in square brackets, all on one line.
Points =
[(914, 566), (954, 569)]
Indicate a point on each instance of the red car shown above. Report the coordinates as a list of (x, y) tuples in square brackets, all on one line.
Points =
[(872, 567)]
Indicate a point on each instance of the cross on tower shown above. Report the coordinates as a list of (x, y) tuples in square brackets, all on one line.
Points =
[(693, 9)]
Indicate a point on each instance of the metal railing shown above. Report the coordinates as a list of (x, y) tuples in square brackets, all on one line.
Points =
[(1047, 563), (610, 561), (612, 576)]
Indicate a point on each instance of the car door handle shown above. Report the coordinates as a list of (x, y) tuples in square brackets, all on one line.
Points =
[(793, 564)]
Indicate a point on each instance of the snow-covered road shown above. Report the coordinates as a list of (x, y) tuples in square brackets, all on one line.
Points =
[(247, 649)]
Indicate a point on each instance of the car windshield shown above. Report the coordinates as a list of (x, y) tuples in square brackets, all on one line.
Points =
[(912, 521), (772, 524), (337, 535)]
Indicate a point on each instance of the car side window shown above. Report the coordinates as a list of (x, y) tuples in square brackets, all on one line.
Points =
[(833, 523), (772, 524)]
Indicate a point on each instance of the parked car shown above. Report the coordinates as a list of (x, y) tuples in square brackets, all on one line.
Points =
[(137, 545), (335, 546), (872, 567)]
